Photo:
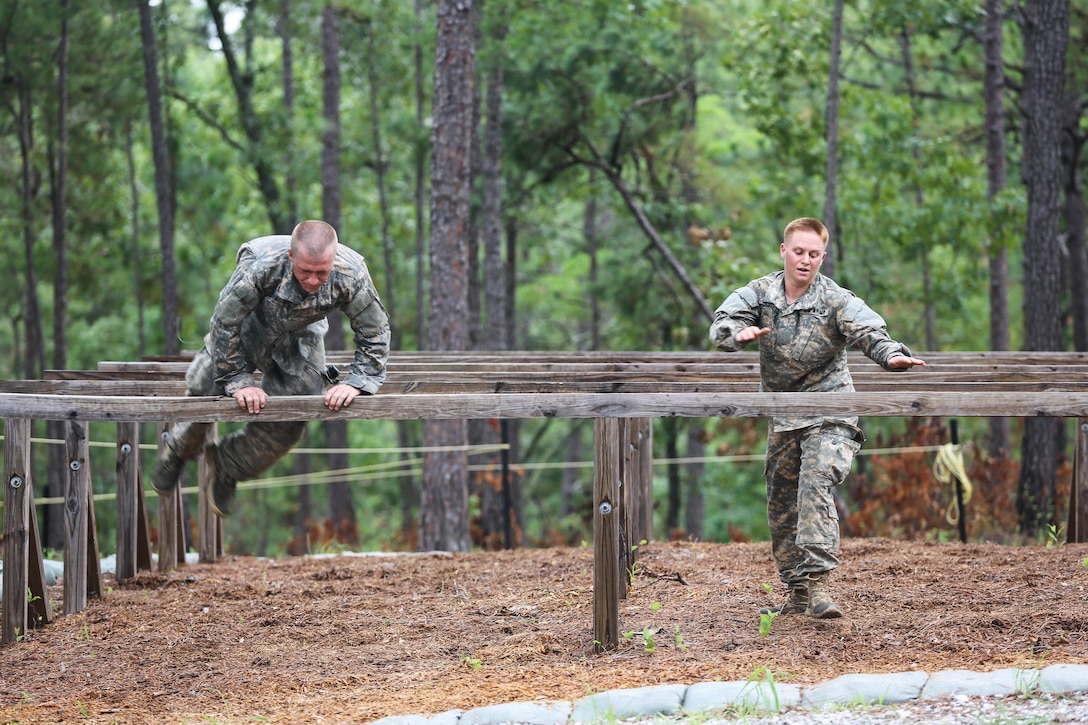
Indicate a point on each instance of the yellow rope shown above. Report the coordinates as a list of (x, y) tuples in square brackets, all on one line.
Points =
[(948, 467)]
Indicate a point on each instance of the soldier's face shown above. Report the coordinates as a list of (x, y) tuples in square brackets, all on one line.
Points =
[(802, 256), (311, 271)]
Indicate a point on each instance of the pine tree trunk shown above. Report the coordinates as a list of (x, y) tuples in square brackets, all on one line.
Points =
[(1046, 31), (444, 502)]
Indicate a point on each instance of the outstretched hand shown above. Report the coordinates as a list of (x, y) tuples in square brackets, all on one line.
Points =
[(751, 333), (902, 362)]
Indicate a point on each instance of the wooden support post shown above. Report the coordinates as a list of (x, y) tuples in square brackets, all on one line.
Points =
[(77, 498), (143, 530), (622, 505), (207, 521), (94, 561), (606, 533), (39, 607), (17, 484), (646, 478), (638, 480), (1077, 528), (170, 533), (127, 500)]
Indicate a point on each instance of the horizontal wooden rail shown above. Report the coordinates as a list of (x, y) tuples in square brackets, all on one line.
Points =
[(550, 405), (98, 385)]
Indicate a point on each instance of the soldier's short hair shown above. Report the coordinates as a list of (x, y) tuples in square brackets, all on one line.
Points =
[(805, 224), (313, 237)]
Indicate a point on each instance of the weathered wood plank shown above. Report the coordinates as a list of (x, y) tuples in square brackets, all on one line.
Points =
[(607, 567), (171, 541), (466, 384), (127, 499), (557, 405), (17, 485), (77, 496)]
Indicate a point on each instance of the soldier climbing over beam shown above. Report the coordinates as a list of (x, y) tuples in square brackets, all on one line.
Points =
[(271, 317)]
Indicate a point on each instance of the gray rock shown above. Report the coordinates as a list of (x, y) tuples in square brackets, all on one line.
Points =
[(634, 702), (861, 689)]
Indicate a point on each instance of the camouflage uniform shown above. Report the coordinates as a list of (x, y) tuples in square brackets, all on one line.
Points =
[(806, 455), (265, 321)]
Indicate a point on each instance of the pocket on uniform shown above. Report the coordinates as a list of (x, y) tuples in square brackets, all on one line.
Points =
[(839, 449)]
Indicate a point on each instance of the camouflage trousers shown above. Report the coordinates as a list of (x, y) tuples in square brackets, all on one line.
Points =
[(253, 449), (802, 466)]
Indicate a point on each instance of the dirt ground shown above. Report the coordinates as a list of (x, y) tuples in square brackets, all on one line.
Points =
[(353, 638)]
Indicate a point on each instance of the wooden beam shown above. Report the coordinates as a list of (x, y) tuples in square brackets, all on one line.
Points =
[(77, 497), (560, 405), (607, 567), (127, 500), (17, 487)]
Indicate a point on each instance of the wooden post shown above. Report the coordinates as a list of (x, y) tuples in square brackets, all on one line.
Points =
[(16, 526), (606, 533), (77, 497), (171, 536), (143, 530), (638, 480), (127, 500), (39, 608), (207, 521), (94, 561), (646, 478), (1077, 528)]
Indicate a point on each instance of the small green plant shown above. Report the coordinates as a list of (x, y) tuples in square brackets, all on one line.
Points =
[(1085, 562), (1027, 681), (679, 638), (648, 643), (766, 692), (1055, 536), (471, 662), (655, 606), (766, 621), (84, 634), (768, 587)]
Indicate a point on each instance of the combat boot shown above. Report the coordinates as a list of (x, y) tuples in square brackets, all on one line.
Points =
[(221, 487), (820, 604), (167, 470), (796, 604)]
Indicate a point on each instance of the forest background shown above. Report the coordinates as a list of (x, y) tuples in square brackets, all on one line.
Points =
[(624, 167)]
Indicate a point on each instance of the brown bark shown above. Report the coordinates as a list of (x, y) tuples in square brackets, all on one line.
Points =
[(444, 503), (1046, 31), (344, 527), (996, 174), (163, 193), (831, 220)]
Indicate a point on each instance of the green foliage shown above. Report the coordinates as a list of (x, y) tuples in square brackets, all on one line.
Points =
[(766, 622)]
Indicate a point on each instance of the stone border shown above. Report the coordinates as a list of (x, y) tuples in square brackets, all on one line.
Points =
[(759, 696)]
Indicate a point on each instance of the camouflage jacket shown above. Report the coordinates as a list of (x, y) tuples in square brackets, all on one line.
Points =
[(264, 316), (806, 348)]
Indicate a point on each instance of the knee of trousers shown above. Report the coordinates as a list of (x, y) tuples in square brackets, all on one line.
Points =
[(252, 450)]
